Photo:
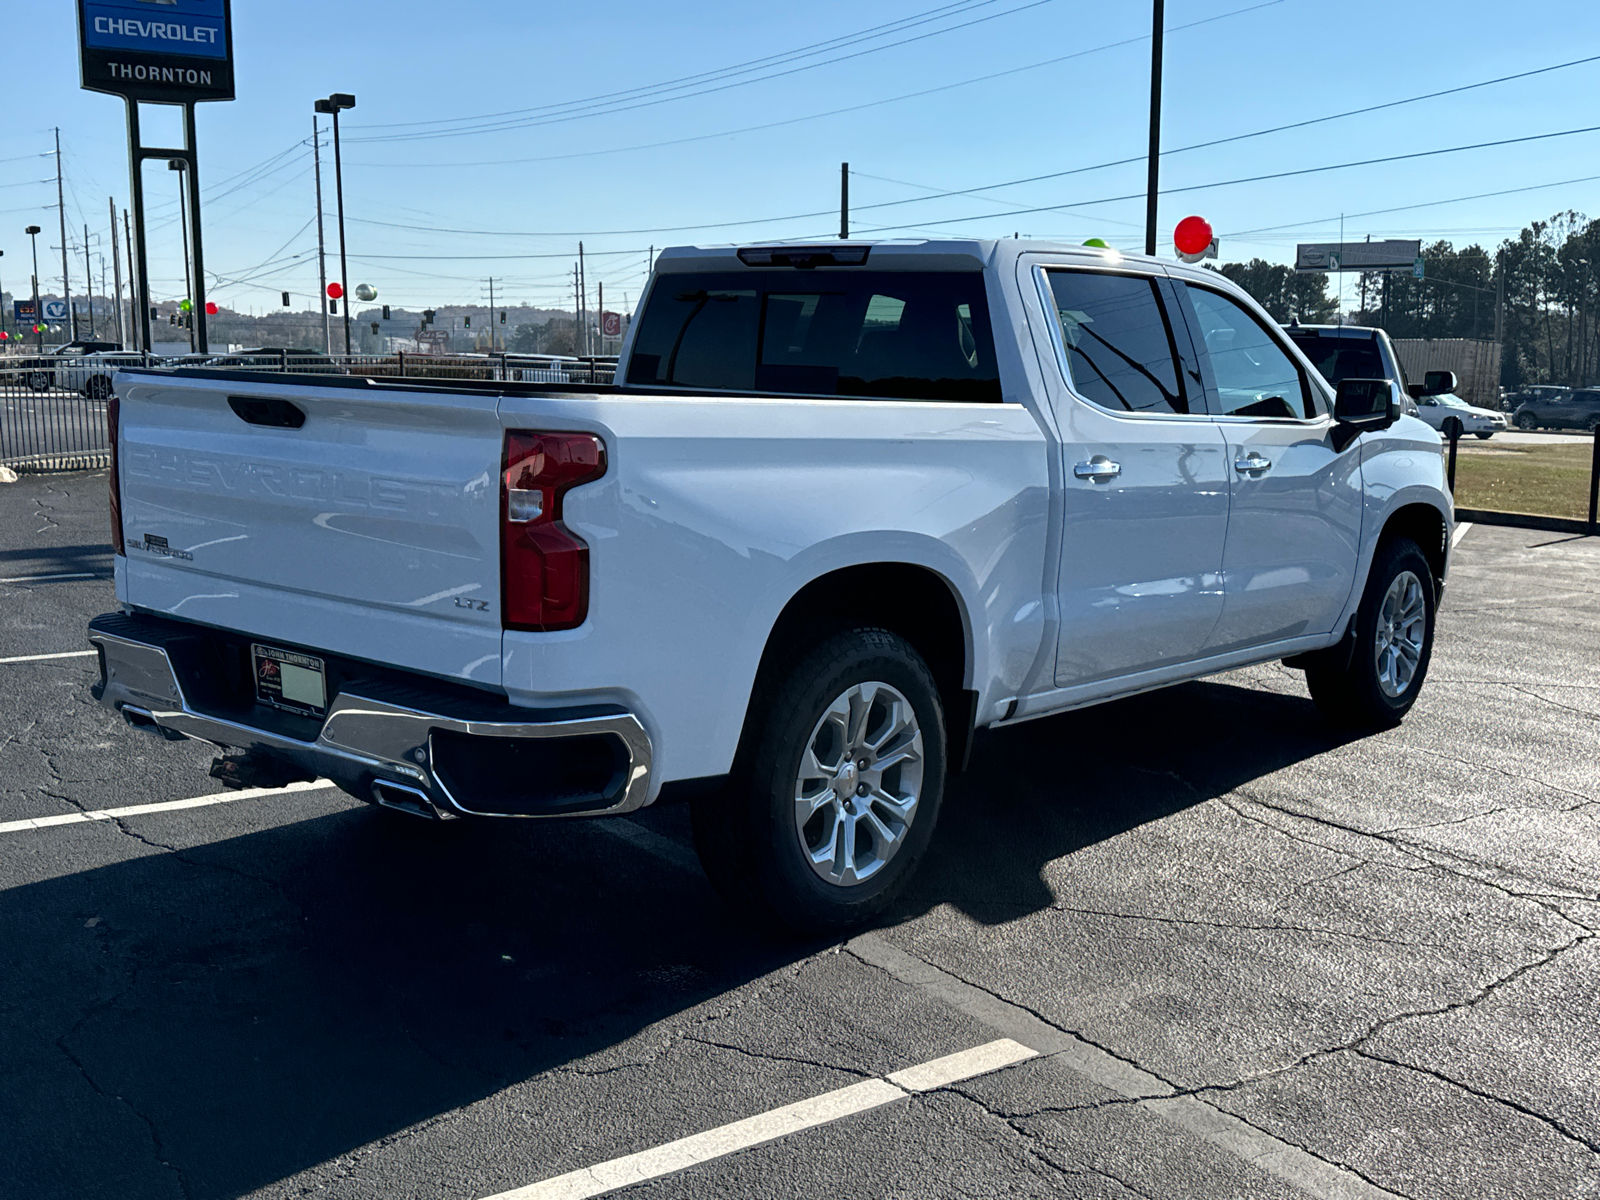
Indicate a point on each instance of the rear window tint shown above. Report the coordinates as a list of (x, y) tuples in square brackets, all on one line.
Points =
[(1339, 358), (890, 334), (1118, 343)]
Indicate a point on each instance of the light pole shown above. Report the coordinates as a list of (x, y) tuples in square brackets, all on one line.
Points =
[(38, 324), (1153, 186), (333, 106), (180, 166)]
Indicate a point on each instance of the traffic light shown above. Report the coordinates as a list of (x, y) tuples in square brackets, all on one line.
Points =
[(376, 328), (286, 299), (333, 307), (427, 317), (466, 322), (502, 316), (385, 312)]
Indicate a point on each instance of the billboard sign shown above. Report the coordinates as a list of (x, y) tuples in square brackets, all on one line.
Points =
[(1391, 255), (24, 312), (55, 311), (162, 51), (610, 324)]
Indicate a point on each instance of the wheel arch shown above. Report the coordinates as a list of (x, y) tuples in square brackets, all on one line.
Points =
[(907, 598), (1429, 528)]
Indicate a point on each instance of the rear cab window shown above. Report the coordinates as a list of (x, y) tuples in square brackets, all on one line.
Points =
[(848, 332)]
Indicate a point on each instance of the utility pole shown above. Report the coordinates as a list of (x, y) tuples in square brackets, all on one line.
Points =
[(1152, 191), (491, 314), (600, 307), (577, 311), (583, 301), (844, 201), (61, 207), (322, 253), (116, 272), (1500, 299), (33, 232), (135, 300), (88, 275)]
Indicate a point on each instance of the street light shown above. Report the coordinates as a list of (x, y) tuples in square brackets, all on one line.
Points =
[(333, 106), (38, 325)]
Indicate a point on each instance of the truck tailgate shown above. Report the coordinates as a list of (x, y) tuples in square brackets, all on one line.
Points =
[(370, 530)]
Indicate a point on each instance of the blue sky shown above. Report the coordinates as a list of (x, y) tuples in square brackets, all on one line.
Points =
[(539, 183)]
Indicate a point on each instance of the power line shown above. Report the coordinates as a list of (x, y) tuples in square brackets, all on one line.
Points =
[(813, 48), (1196, 187), (833, 112), (560, 118)]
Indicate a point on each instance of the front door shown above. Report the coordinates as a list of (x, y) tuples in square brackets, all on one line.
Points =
[(1294, 524), (1146, 481)]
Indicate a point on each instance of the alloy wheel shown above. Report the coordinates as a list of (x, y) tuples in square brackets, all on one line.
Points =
[(1402, 627), (859, 781)]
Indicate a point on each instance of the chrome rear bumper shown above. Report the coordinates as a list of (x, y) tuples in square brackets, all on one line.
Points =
[(371, 744)]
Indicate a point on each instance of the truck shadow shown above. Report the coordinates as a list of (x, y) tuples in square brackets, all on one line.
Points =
[(1040, 792), (210, 1021)]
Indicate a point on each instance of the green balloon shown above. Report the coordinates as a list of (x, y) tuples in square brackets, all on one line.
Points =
[(184, 306), (1097, 243)]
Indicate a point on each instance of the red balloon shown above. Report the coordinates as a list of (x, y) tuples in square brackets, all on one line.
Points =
[(211, 309), (335, 290), (1192, 235)]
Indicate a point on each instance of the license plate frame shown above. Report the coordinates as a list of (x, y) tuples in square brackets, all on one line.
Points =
[(289, 680)]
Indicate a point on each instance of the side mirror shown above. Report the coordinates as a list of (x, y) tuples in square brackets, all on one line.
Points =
[(1359, 406), (1437, 383)]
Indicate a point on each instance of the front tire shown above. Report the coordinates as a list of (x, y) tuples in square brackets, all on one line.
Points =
[(98, 388), (1483, 437), (1527, 423), (40, 381), (1393, 644), (834, 802)]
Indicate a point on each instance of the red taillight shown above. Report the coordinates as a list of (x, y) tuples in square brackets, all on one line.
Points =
[(544, 566), (116, 479)]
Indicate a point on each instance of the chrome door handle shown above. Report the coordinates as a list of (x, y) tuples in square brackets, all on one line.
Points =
[(1098, 467), (1252, 464)]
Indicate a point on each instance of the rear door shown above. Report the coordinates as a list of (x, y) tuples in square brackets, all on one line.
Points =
[(1144, 476), (1294, 523), (359, 521)]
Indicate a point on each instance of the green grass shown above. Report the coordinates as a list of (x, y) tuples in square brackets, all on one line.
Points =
[(1550, 481)]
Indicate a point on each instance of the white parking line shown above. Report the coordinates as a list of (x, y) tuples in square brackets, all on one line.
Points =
[(773, 1124), (138, 810), (1461, 532), (49, 578), (42, 657)]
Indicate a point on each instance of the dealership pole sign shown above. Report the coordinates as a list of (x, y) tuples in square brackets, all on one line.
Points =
[(158, 51)]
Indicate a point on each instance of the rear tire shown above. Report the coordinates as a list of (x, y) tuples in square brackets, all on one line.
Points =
[(1393, 644), (814, 834), (1483, 437), (98, 388), (40, 381)]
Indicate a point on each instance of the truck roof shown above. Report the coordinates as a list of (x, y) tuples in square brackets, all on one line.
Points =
[(1359, 332), (905, 254)]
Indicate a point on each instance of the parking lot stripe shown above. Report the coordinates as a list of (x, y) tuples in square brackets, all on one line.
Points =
[(1461, 532), (139, 810), (49, 578), (42, 657), (769, 1126)]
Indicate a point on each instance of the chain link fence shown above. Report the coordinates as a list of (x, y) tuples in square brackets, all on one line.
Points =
[(53, 410)]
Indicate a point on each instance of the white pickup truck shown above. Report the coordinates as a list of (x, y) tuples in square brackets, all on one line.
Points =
[(846, 505)]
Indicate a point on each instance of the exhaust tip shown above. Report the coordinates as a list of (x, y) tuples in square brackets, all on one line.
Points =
[(402, 798)]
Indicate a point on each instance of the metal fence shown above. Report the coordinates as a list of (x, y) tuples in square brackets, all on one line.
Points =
[(53, 414)]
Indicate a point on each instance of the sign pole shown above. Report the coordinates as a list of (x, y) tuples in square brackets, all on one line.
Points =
[(141, 264), (61, 207), (116, 272), (191, 144), (1152, 186)]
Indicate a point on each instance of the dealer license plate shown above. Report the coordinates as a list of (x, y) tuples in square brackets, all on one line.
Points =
[(290, 681)]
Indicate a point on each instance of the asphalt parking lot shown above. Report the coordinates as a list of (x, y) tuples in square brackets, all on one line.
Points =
[(1234, 953)]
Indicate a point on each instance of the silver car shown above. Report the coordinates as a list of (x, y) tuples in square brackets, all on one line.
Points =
[(1441, 409)]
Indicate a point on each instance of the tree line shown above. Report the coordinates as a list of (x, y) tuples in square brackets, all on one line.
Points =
[(1544, 283)]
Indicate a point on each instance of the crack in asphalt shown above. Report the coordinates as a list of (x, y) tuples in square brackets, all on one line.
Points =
[(1518, 776), (783, 1058), (158, 1148), (1560, 1127)]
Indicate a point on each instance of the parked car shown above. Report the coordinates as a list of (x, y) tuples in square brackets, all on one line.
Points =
[(1543, 393), (91, 375), (1440, 409), (1564, 410), (1342, 352), (39, 371), (847, 505)]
